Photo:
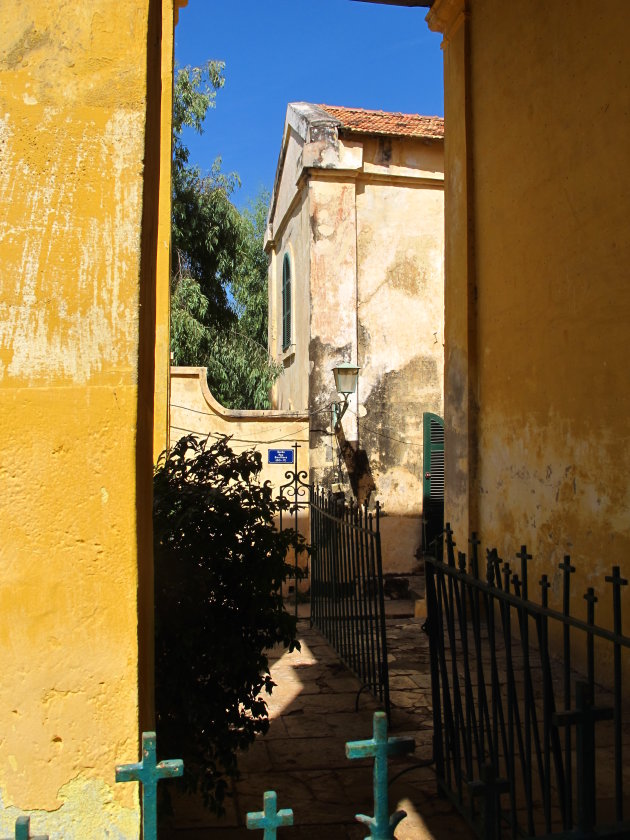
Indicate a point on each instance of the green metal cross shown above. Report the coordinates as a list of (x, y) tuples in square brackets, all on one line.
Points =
[(270, 818), (381, 825), (148, 772), (23, 830)]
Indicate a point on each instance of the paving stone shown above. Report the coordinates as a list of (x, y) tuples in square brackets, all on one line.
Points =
[(402, 681), (351, 726), (257, 757), (312, 726), (316, 797), (302, 757), (308, 753)]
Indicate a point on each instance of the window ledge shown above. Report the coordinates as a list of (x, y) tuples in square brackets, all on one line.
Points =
[(287, 356)]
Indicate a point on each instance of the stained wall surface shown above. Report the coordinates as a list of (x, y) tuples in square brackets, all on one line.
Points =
[(362, 219), (79, 130), (537, 300)]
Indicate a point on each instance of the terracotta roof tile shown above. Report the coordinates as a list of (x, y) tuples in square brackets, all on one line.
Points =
[(360, 121)]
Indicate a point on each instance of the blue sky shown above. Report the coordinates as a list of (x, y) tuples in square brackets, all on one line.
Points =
[(338, 52)]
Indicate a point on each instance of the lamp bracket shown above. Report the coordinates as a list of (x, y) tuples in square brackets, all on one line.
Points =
[(338, 410)]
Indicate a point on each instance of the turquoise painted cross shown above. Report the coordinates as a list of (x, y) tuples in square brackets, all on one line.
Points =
[(270, 818), (148, 772), (381, 825), (23, 830)]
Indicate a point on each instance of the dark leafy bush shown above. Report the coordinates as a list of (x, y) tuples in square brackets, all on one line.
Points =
[(219, 568)]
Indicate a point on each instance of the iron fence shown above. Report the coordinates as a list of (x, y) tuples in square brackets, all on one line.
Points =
[(347, 601), (524, 745), (148, 773)]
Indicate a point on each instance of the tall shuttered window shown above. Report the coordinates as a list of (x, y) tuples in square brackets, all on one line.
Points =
[(433, 484), (286, 302)]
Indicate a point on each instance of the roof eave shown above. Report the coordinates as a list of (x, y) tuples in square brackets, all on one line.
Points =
[(421, 3), (357, 132)]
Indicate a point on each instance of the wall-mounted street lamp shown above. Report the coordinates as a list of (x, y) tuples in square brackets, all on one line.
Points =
[(346, 376)]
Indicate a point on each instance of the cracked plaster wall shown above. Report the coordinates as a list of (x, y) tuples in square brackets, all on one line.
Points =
[(76, 528), (367, 236), (537, 309), (400, 244)]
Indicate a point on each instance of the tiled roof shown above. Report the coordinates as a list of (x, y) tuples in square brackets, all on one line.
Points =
[(360, 121)]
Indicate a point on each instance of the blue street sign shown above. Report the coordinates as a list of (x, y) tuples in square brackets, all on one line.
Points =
[(280, 456)]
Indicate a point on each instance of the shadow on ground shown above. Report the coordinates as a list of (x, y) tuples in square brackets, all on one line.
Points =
[(302, 757)]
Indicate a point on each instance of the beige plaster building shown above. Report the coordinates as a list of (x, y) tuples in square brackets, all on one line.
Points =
[(355, 237)]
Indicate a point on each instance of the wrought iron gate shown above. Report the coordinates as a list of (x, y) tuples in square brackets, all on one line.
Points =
[(523, 745), (346, 575), (295, 497), (347, 601)]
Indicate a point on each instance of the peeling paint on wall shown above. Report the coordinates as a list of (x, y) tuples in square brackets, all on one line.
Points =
[(87, 806), (48, 326), (73, 103), (538, 408), (375, 296)]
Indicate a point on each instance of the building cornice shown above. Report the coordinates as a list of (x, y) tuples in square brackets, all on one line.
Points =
[(366, 177), (179, 4), (446, 16)]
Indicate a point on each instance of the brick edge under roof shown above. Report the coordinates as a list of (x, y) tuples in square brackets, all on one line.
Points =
[(364, 121)]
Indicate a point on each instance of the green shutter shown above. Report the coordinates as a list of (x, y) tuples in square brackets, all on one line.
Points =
[(286, 302), (433, 478)]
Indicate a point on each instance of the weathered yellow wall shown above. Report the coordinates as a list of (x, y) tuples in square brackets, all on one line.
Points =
[(543, 114), (78, 241), (459, 301), (163, 257)]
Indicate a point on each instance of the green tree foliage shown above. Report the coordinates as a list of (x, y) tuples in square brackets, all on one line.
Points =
[(219, 268), (248, 288), (219, 566)]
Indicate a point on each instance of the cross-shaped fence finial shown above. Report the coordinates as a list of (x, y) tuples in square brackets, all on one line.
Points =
[(524, 557), (489, 788), (148, 772), (23, 830), (269, 819), (379, 747)]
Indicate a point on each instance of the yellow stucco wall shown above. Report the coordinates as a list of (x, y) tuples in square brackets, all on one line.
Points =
[(79, 127), (163, 255), (195, 411), (537, 298)]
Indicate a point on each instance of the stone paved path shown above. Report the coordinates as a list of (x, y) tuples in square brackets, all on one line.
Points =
[(312, 714)]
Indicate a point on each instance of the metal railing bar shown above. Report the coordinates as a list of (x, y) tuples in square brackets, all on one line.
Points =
[(532, 606)]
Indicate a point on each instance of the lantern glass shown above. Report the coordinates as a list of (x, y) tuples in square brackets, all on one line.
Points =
[(346, 376)]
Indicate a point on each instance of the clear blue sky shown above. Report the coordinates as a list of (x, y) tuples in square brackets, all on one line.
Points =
[(337, 52)]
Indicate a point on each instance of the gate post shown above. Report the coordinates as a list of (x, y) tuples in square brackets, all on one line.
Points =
[(490, 789), (584, 716)]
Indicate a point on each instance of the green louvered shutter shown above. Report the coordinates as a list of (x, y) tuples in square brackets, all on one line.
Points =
[(286, 302), (433, 479)]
